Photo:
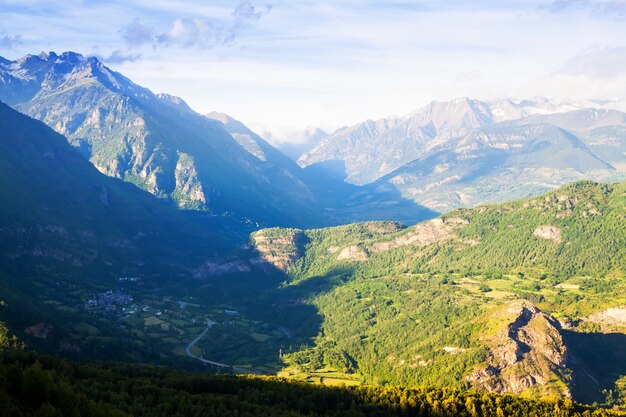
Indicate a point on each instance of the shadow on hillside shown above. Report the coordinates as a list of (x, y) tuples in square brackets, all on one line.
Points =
[(348, 203), (598, 361), (290, 306)]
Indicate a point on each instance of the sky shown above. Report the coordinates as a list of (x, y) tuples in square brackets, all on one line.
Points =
[(281, 66)]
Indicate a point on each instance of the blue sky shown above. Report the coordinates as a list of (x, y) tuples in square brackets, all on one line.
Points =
[(283, 65)]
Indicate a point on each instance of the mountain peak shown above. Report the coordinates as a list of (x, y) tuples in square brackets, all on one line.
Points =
[(47, 55)]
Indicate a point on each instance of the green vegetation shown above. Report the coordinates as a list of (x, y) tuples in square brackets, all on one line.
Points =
[(43, 386), (576, 230), (407, 306)]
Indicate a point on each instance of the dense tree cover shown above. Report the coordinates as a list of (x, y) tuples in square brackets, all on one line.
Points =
[(588, 217), (393, 330), (33, 385), (411, 314)]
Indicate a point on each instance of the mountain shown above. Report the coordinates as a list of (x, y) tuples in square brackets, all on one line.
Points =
[(57, 206), (373, 149), (497, 163), (154, 141), (602, 130), (339, 201), (523, 297), (256, 145), (67, 231), (438, 156)]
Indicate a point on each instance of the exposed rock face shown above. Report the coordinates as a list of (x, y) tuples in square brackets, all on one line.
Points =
[(424, 234), (187, 181), (278, 247), (611, 319), (552, 233), (526, 352), (39, 330), (352, 253)]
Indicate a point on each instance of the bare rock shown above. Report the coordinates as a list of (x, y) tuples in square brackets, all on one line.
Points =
[(278, 247), (422, 234), (352, 253), (526, 351), (552, 233)]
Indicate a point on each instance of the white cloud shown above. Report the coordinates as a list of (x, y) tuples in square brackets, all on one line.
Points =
[(195, 32), (598, 62), (136, 34), (118, 56), (10, 42)]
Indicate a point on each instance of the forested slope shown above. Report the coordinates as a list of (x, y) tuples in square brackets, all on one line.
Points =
[(43, 386)]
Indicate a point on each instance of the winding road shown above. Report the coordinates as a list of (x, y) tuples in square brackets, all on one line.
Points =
[(190, 346)]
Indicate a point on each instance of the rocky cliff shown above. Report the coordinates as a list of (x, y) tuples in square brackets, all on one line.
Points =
[(526, 353)]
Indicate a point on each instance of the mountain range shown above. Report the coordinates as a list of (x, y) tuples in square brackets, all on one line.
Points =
[(466, 152), (125, 222), (158, 143)]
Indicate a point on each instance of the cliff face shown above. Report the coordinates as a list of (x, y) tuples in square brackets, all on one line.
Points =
[(526, 353), (278, 247)]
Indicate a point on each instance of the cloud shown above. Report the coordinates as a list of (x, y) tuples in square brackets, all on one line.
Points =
[(197, 32), (119, 57), (598, 8), (10, 42), (191, 32), (135, 34), (598, 62), (246, 12)]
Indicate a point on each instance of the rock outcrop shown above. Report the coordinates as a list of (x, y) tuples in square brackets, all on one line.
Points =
[(610, 320), (526, 352), (278, 247), (552, 233), (424, 234), (352, 253)]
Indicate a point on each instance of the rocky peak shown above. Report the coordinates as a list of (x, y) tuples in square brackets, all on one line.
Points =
[(526, 351)]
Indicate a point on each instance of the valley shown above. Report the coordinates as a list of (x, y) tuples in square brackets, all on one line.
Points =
[(135, 230)]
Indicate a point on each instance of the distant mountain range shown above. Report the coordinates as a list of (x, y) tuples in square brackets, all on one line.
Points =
[(466, 152), (212, 164), (154, 141)]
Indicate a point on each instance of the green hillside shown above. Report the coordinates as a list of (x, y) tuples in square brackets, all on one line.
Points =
[(69, 234), (577, 229), (435, 303)]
